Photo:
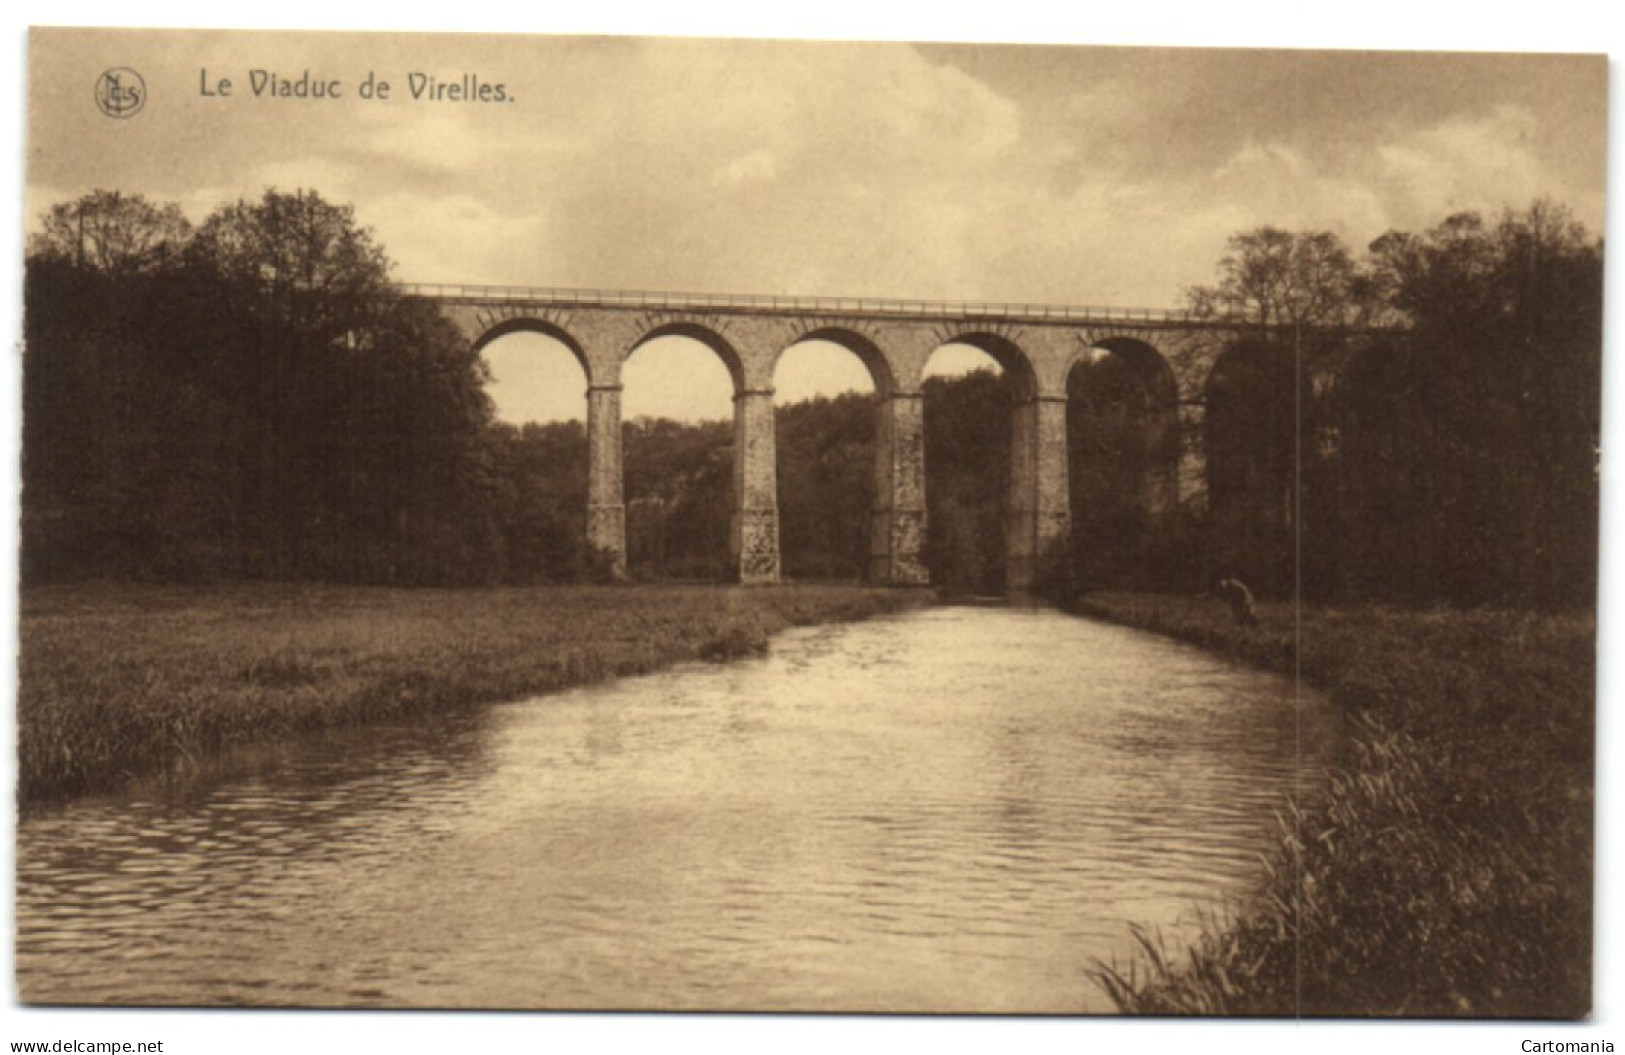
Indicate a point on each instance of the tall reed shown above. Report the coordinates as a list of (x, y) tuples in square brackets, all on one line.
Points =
[(1446, 868)]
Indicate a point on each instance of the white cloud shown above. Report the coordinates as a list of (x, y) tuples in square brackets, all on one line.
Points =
[(1263, 159), (443, 141), (1480, 162), (337, 181), (459, 238)]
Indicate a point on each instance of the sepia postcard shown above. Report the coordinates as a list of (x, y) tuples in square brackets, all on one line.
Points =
[(652, 524)]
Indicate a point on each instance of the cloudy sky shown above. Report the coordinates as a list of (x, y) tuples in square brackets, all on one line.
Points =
[(1103, 176)]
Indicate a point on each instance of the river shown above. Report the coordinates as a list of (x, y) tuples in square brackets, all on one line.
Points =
[(954, 809)]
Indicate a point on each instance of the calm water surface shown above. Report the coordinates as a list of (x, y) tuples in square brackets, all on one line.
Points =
[(953, 809)]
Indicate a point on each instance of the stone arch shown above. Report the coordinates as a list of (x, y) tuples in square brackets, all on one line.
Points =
[(605, 515), (1149, 364), (494, 328), (819, 529), (681, 522), (853, 339), (753, 528), (1156, 378), (1034, 504), (1002, 344), (1124, 447), (702, 331)]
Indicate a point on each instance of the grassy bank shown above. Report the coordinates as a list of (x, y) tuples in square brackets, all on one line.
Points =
[(1447, 869), (116, 681)]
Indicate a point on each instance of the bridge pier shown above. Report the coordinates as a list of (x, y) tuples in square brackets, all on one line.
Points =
[(754, 544), (1040, 514), (606, 506), (897, 530)]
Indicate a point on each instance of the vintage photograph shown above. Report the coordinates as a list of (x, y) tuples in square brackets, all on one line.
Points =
[(520, 522)]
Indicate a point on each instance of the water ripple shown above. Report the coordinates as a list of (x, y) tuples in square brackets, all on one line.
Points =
[(952, 810)]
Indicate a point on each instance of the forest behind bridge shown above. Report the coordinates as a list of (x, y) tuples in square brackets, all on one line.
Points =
[(249, 398)]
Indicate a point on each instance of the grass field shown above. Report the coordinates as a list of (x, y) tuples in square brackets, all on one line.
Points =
[(1447, 869), (116, 681)]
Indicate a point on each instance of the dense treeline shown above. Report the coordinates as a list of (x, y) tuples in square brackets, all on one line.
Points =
[(826, 486), (249, 399), (678, 491), (1508, 401), (679, 483), (1452, 460), (541, 501)]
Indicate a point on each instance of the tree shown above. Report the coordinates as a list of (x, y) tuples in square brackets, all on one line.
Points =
[(300, 259), (678, 489), (826, 486), (1286, 298), (96, 493), (258, 402), (1461, 455), (1271, 280), (111, 232), (367, 407), (1498, 394)]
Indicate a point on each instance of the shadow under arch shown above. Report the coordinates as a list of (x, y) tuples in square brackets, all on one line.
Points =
[(1148, 364), (1256, 398), (1123, 452), (1017, 366), (981, 469)]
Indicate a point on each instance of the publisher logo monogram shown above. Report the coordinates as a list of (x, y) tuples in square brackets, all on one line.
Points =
[(120, 92)]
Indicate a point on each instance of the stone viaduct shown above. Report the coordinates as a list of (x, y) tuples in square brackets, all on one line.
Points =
[(1036, 345)]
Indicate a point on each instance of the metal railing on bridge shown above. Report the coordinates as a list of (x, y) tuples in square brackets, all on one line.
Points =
[(928, 309)]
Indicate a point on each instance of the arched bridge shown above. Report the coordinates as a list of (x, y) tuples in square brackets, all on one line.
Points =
[(1037, 346)]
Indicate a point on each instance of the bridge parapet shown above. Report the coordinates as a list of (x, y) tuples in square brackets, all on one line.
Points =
[(877, 307)]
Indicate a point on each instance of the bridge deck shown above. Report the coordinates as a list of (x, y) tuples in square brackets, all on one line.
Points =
[(835, 306)]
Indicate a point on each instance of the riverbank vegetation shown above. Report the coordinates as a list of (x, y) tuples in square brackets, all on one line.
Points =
[(120, 680), (1447, 868)]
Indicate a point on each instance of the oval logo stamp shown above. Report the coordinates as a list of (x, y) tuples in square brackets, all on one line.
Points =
[(120, 92)]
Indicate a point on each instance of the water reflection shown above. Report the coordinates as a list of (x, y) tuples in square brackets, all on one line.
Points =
[(950, 810)]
